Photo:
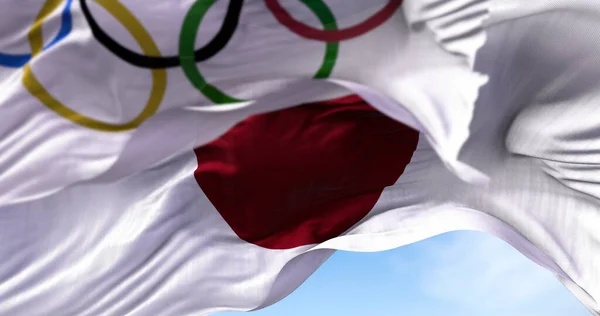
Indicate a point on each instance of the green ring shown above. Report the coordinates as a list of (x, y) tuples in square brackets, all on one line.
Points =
[(187, 39)]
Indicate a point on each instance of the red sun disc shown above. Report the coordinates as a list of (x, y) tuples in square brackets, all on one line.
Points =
[(303, 175)]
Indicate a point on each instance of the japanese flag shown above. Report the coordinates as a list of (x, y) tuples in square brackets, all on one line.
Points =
[(188, 157)]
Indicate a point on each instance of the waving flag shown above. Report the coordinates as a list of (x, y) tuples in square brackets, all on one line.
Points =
[(187, 157)]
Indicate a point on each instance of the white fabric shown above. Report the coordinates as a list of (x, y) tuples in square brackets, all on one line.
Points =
[(113, 91), (95, 223)]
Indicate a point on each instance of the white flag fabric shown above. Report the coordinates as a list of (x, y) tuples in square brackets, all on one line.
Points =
[(188, 157)]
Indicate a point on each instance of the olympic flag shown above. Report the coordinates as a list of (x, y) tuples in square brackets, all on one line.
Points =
[(186, 157)]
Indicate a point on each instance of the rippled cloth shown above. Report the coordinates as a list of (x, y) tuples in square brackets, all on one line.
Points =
[(481, 115)]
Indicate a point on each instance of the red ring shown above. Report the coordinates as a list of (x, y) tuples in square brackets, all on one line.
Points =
[(310, 32)]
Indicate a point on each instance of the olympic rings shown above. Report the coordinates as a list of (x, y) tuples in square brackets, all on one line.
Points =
[(19, 60), (188, 56), (188, 36), (228, 27), (309, 32), (123, 15)]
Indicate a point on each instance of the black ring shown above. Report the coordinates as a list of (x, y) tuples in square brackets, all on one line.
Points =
[(213, 47)]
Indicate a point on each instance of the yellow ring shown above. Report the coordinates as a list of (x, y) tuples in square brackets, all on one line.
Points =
[(141, 36)]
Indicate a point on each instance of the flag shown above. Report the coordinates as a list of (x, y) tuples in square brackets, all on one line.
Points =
[(189, 157)]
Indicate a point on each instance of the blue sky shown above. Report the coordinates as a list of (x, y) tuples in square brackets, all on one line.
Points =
[(455, 274)]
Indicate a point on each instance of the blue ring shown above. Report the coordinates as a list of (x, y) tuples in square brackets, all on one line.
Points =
[(19, 60)]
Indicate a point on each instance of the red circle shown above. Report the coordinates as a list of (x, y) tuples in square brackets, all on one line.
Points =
[(303, 175), (310, 32)]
